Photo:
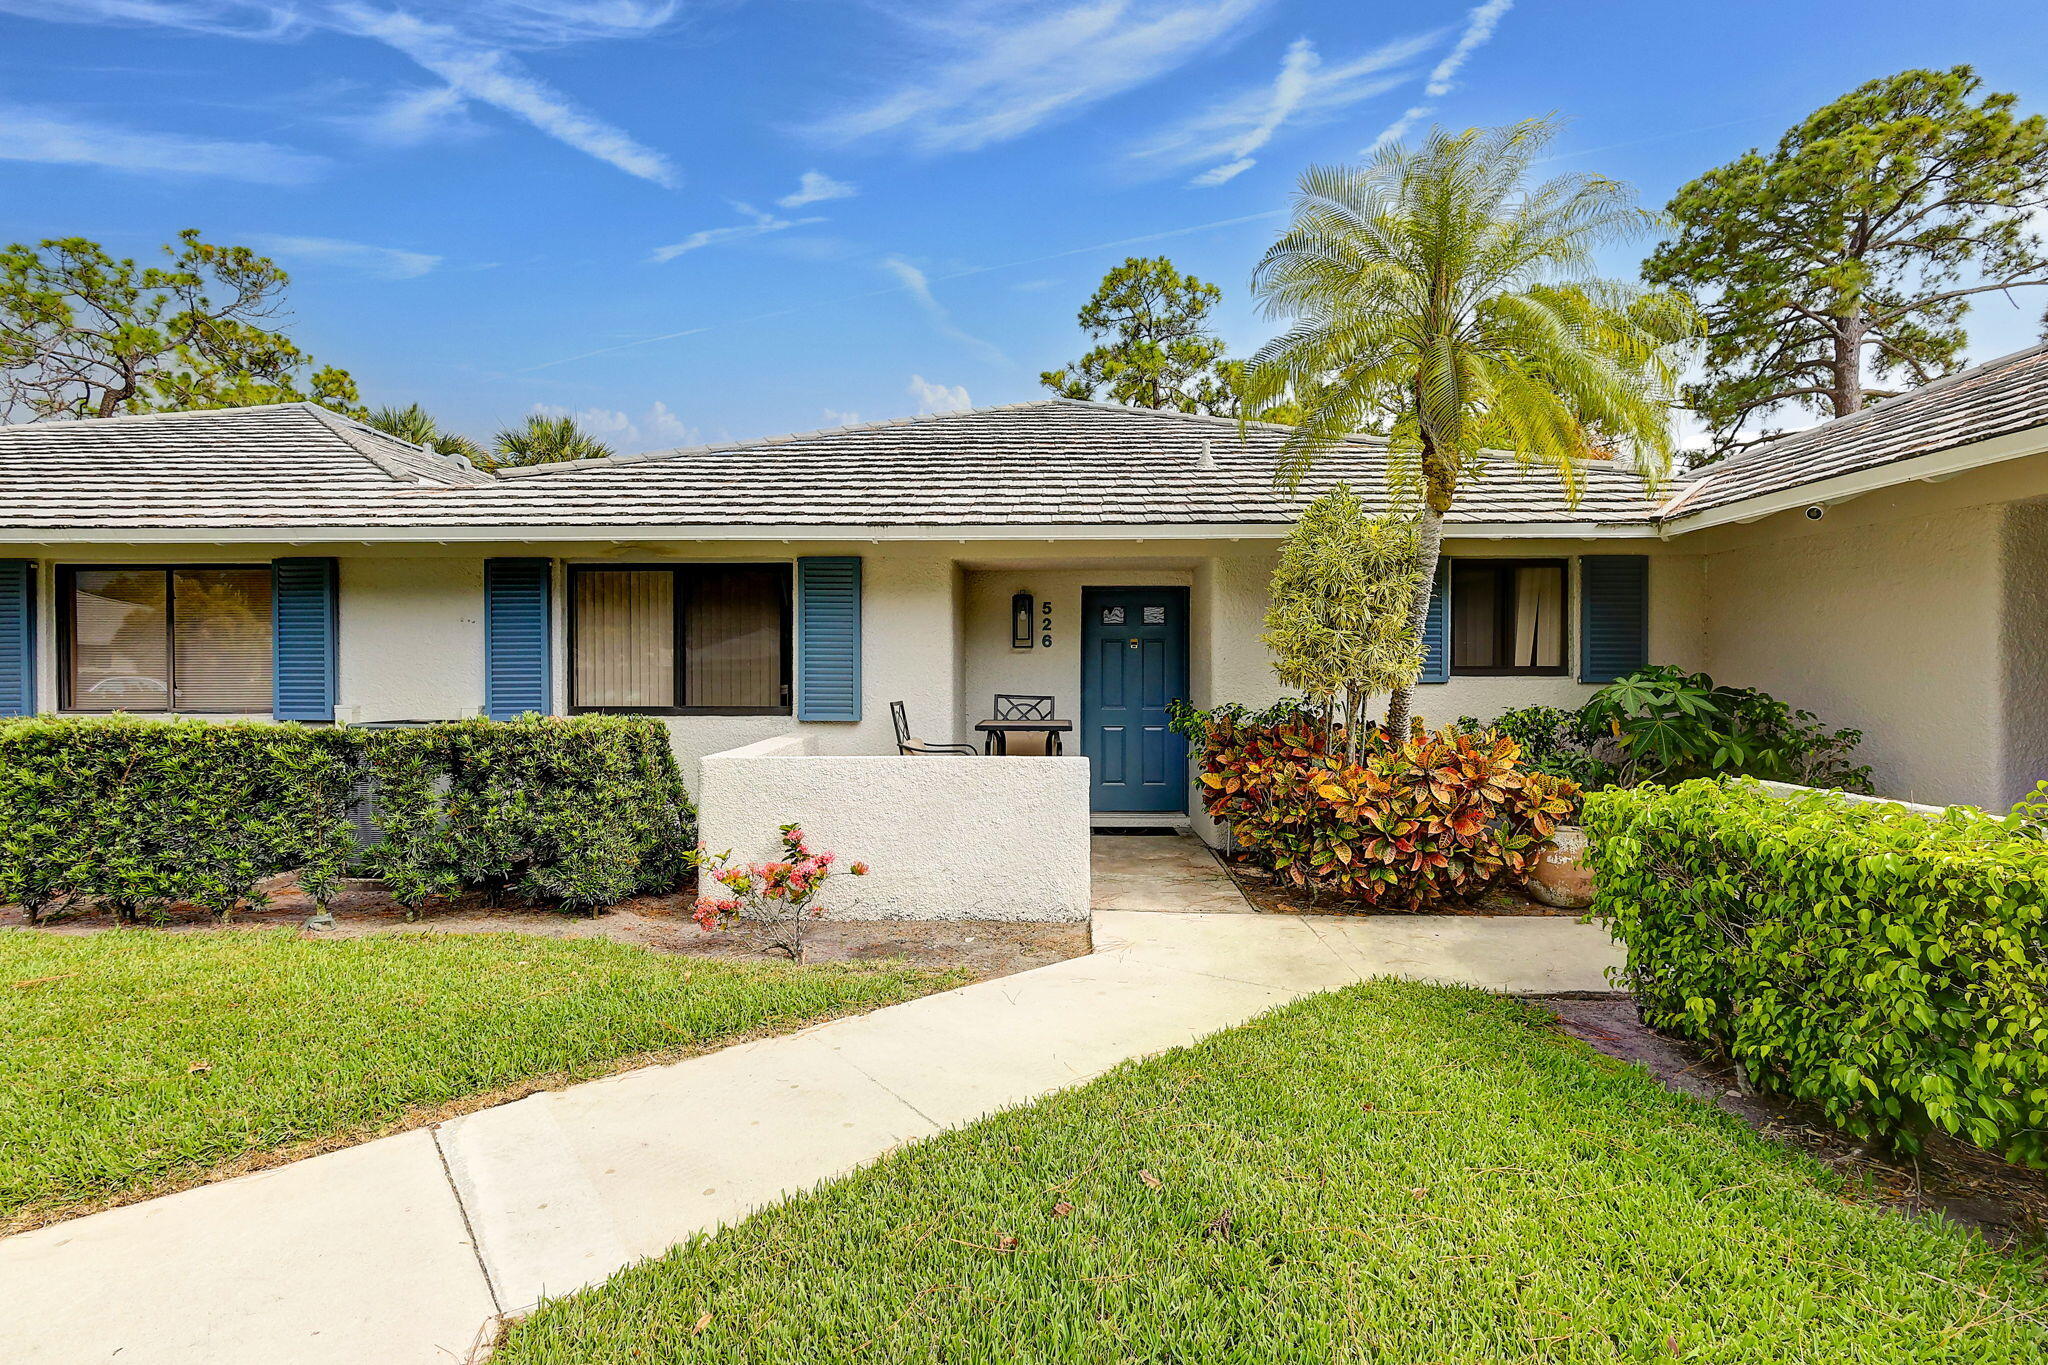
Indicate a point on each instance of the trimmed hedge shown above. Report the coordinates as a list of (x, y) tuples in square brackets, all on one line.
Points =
[(135, 816), (1889, 967)]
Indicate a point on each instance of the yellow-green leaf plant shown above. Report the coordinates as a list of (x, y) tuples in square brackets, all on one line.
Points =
[(1338, 624), (1440, 291)]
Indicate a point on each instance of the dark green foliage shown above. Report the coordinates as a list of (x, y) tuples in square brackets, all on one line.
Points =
[(1663, 724), (1851, 250), (1156, 348), (1886, 966), (136, 816), (583, 812)]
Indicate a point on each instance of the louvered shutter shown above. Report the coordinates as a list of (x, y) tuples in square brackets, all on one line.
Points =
[(1614, 616), (828, 638), (304, 627), (518, 637), (1436, 628), (17, 637)]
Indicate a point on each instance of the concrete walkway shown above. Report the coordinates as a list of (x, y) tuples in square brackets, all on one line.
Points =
[(1173, 872), (402, 1250)]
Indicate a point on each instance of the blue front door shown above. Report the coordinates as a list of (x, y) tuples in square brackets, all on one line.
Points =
[(1134, 660)]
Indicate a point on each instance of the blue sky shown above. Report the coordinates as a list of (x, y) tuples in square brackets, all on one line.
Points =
[(700, 221)]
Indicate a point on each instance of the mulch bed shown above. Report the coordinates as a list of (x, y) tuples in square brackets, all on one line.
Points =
[(1270, 896), (2008, 1203), (658, 923)]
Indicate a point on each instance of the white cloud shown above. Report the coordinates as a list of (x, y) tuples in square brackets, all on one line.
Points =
[(1304, 90), (762, 224), (986, 75), (385, 262), (919, 288), (815, 188), (1480, 23), (655, 429), (50, 137), (467, 44), (835, 418), (414, 117), (932, 398)]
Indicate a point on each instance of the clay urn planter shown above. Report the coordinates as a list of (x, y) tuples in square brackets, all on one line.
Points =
[(1561, 877)]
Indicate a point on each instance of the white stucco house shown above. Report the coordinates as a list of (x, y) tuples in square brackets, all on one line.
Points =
[(1887, 571)]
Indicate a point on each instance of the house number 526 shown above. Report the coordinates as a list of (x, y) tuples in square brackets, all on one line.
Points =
[(1045, 623)]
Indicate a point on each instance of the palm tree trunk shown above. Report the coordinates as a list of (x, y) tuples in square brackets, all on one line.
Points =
[(1429, 549)]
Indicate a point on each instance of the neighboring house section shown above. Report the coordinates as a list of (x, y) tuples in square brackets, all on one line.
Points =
[(199, 563)]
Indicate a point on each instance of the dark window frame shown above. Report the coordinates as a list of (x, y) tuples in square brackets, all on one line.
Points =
[(682, 595), (67, 643), (1504, 617)]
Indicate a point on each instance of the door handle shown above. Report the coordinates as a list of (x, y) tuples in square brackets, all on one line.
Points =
[(1134, 642)]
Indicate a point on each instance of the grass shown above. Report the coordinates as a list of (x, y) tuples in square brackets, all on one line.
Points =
[(1392, 1173), (136, 1062)]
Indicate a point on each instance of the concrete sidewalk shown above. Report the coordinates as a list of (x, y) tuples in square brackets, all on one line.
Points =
[(403, 1249)]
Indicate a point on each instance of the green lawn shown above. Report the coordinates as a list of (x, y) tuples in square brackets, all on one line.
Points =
[(1393, 1173), (132, 1062)]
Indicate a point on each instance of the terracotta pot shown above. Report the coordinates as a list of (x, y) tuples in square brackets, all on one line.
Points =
[(1561, 877)]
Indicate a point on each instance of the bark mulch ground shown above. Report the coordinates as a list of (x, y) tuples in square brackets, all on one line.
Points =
[(1270, 896), (2008, 1203), (659, 923)]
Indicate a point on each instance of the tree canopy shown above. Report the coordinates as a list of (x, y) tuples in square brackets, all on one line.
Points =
[(1338, 623), (85, 335), (415, 424), (544, 440), (1846, 257), (1154, 347), (1440, 289)]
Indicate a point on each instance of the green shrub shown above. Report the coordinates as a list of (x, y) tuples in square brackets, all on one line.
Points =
[(1441, 819), (1891, 968), (1662, 724), (139, 815), (136, 816), (583, 812)]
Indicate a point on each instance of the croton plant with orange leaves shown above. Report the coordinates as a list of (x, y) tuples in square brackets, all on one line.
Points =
[(1440, 819)]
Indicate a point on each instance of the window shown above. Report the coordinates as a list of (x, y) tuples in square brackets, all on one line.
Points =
[(1508, 615), (166, 639), (691, 639)]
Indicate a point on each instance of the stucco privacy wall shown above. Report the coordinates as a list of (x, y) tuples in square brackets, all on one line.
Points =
[(945, 838), (1912, 613)]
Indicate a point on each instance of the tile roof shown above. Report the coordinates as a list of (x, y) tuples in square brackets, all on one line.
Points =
[(1052, 462), (1997, 398), (288, 464)]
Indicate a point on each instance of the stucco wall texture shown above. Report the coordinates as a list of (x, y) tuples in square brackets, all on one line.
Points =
[(944, 838)]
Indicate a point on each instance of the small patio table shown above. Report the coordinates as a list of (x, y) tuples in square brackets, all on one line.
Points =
[(996, 733)]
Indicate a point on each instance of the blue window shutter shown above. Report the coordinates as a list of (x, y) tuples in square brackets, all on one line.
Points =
[(519, 637), (304, 627), (1436, 628), (1614, 616), (828, 638), (17, 637)]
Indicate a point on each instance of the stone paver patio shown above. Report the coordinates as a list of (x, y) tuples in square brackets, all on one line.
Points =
[(403, 1250)]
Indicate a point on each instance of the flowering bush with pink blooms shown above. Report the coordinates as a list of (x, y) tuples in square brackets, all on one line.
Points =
[(783, 892)]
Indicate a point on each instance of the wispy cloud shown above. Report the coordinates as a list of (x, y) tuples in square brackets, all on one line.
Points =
[(915, 283), (57, 138), (933, 398), (1480, 22), (1304, 90), (657, 428), (761, 225), (815, 188), (469, 46), (835, 418), (987, 75), (414, 117), (495, 77), (384, 262)]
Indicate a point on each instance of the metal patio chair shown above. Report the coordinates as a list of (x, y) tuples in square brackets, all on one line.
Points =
[(906, 745)]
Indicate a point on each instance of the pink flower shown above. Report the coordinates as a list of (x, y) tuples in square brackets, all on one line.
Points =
[(858, 869)]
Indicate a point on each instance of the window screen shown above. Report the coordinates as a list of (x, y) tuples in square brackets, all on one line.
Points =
[(153, 639), (688, 638)]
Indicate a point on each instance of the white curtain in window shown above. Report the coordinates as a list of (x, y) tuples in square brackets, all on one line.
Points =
[(1539, 616)]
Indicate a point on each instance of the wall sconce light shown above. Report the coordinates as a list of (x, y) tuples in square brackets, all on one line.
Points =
[(1020, 621)]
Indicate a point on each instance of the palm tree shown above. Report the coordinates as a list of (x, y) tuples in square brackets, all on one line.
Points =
[(415, 424), (1439, 290), (546, 440)]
